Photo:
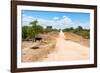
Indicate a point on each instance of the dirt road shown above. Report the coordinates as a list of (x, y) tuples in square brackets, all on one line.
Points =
[(67, 50)]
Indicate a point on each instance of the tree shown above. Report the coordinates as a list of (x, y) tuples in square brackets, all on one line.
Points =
[(36, 29), (30, 32), (34, 23), (68, 29), (24, 32), (79, 28), (71, 28)]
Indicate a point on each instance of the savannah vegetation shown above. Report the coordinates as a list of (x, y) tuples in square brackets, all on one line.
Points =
[(32, 31), (85, 33)]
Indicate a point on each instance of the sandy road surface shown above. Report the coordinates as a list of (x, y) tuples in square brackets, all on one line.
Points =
[(67, 50)]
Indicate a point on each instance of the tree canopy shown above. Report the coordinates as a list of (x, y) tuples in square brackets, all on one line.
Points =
[(32, 31)]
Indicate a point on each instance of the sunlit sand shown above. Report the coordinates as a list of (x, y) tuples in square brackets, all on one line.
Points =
[(67, 50)]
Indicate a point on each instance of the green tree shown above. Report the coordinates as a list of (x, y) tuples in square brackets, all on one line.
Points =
[(79, 28), (24, 32), (36, 29), (30, 33), (68, 29)]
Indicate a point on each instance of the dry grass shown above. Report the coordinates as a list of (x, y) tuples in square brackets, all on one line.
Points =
[(77, 38), (47, 46), (31, 55)]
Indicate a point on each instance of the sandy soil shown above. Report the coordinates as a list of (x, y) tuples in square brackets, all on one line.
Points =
[(67, 50), (64, 46), (32, 55), (77, 39)]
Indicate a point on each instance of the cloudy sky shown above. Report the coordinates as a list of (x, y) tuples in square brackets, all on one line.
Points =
[(58, 20)]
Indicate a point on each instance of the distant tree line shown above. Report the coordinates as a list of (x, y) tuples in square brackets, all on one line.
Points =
[(85, 33), (32, 31)]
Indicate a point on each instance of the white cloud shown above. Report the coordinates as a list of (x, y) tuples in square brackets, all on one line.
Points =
[(84, 25), (60, 23), (27, 19), (64, 16), (55, 18)]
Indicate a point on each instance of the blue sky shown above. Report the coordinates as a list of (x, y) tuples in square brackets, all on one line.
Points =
[(59, 20)]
